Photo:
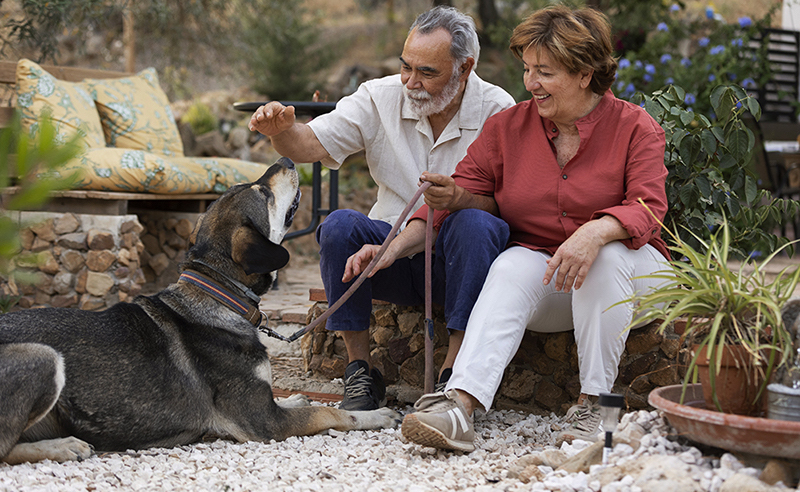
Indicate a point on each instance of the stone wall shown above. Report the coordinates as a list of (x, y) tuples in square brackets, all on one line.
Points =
[(542, 377), (92, 262)]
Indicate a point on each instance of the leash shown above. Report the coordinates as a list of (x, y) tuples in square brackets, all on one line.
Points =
[(261, 321), (371, 266)]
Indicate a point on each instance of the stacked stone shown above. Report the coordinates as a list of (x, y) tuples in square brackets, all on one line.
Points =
[(543, 375), (166, 239), (84, 261)]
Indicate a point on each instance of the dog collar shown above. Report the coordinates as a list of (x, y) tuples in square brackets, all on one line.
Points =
[(223, 296)]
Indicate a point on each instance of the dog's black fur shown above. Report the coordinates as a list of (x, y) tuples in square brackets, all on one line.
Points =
[(167, 369)]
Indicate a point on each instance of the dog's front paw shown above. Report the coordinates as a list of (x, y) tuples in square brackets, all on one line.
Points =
[(392, 418), (294, 401)]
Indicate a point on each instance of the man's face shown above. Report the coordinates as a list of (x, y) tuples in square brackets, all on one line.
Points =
[(431, 79)]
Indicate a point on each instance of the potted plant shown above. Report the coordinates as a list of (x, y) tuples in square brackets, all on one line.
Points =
[(731, 312)]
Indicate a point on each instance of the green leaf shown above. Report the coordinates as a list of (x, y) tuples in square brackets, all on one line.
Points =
[(750, 190), (709, 141), (703, 185)]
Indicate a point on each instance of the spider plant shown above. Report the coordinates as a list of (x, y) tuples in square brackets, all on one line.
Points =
[(722, 304)]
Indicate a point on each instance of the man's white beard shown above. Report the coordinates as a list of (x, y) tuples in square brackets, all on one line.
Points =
[(422, 103)]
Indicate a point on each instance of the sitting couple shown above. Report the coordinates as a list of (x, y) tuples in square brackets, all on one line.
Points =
[(539, 226)]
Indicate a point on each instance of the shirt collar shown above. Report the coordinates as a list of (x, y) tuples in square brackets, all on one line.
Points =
[(589, 122)]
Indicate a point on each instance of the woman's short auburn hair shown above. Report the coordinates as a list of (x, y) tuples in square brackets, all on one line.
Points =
[(578, 39)]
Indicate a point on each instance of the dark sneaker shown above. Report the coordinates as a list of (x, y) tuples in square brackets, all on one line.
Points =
[(362, 391), (440, 421), (440, 386)]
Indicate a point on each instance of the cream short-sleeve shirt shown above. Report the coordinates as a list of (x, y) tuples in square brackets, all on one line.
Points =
[(399, 145)]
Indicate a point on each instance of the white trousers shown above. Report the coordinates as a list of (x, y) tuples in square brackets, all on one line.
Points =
[(514, 298)]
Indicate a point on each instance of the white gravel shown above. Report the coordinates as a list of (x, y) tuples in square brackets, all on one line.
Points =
[(384, 461)]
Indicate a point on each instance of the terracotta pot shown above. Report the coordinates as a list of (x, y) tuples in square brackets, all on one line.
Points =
[(737, 382)]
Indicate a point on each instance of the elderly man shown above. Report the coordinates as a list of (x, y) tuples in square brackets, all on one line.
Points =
[(420, 120)]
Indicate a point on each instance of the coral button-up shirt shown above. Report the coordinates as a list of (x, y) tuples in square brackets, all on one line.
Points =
[(619, 161)]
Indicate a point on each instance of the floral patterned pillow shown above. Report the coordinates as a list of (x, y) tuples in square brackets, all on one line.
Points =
[(71, 108), (137, 171), (136, 114)]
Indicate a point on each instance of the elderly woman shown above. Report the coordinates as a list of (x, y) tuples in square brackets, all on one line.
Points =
[(566, 170)]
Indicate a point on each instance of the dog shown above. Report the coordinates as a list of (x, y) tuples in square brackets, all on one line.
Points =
[(167, 369)]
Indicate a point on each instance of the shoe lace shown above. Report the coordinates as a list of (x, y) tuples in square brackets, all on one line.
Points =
[(439, 387), (358, 384), (586, 418)]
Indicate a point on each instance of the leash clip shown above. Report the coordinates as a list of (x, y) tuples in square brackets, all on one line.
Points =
[(263, 327)]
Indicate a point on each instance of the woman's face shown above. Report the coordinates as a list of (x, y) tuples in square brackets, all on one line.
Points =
[(560, 95)]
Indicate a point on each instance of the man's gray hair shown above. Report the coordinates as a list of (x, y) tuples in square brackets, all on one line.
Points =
[(460, 26)]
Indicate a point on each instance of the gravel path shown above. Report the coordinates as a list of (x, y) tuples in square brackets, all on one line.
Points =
[(384, 461)]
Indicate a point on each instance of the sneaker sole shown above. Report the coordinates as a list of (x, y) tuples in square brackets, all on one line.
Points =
[(425, 435)]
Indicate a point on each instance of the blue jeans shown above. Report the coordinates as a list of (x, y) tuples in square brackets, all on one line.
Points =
[(467, 244)]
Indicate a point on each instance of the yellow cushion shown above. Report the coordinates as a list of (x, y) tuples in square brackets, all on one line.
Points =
[(135, 113), (214, 174), (71, 107), (136, 171), (111, 169)]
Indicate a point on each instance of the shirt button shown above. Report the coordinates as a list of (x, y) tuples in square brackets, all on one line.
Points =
[(564, 176), (554, 129), (563, 214)]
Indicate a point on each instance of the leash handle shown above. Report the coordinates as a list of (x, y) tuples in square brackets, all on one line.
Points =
[(361, 278)]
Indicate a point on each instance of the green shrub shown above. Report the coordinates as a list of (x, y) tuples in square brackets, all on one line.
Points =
[(200, 118), (710, 175), (697, 54), (31, 163), (282, 48)]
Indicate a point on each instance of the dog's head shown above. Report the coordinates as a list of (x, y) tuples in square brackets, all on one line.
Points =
[(247, 224)]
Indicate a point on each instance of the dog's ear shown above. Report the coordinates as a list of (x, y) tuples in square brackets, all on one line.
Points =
[(257, 254), (193, 235)]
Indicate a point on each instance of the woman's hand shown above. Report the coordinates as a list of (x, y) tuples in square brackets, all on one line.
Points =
[(575, 255), (272, 118)]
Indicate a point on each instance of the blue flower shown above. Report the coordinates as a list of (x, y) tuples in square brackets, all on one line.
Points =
[(662, 26), (745, 22), (620, 85), (732, 76), (703, 42), (717, 49), (637, 64), (709, 13), (624, 63), (712, 77), (647, 77), (650, 68), (631, 88), (686, 62), (690, 98), (674, 7), (669, 80), (665, 58), (749, 83), (738, 42)]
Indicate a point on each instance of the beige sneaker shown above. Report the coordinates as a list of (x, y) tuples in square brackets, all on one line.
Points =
[(440, 421), (583, 422)]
